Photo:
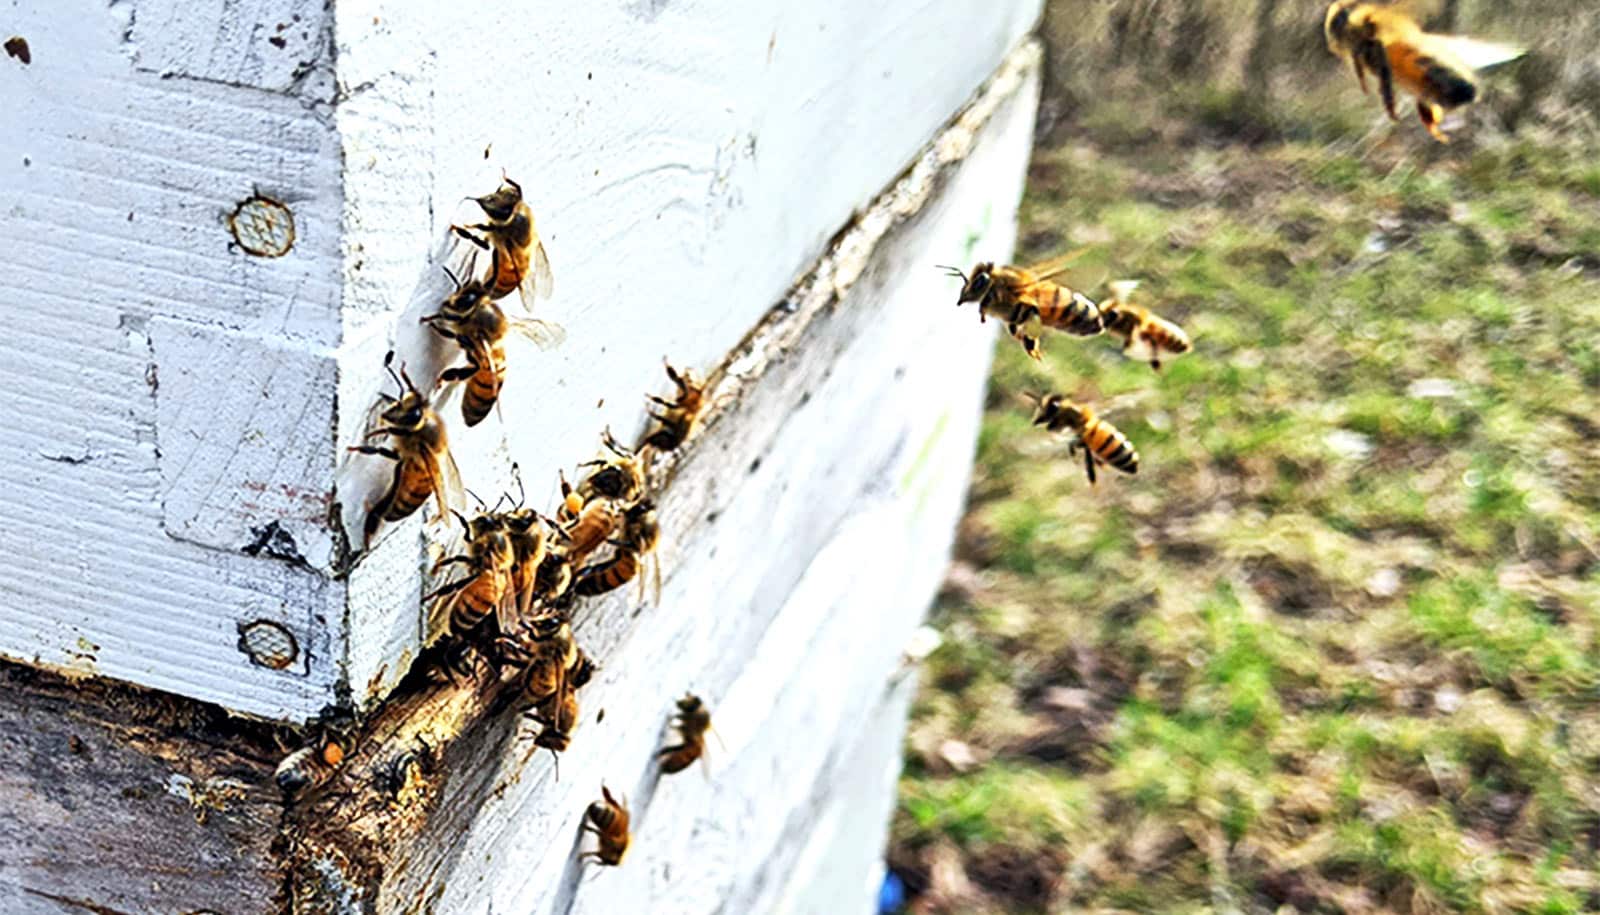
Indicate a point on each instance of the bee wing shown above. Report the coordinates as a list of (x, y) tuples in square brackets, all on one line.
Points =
[(509, 612), (1056, 266), (1418, 10), (447, 488), (1468, 53), (439, 617), (1122, 290), (539, 282), (543, 334)]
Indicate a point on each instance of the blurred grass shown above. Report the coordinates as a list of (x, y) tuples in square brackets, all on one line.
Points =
[(1335, 648)]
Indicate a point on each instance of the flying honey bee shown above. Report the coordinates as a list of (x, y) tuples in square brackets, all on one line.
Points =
[(1388, 41), (677, 417), (1101, 442), (470, 317), (608, 820), (313, 764), (1027, 300), (518, 259), (693, 720), (1145, 336), (461, 606), (420, 450), (620, 477), (640, 535)]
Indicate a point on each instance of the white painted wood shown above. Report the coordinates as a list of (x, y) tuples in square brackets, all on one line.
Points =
[(171, 393), (795, 581)]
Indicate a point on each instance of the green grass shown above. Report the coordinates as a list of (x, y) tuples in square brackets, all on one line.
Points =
[(1336, 647)]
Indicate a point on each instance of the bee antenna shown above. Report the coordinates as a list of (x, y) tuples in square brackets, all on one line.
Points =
[(388, 365), (952, 271), (453, 278), (409, 385), (507, 179), (476, 498), (516, 473)]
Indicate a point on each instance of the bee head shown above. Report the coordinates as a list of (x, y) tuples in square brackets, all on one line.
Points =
[(976, 287), (503, 202), (1057, 412), (409, 413), (521, 520), (689, 704), (1336, 27)]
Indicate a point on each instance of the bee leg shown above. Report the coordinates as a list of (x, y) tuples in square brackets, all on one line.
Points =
[(1155, 364), (459, 373), (1088, 463), (389, 453), (465, 232), (1361, 73), (661, 401), (1430, 115), (1378, 59), (451, 588)]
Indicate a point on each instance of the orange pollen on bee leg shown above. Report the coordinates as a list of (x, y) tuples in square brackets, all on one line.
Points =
[(332, 754)]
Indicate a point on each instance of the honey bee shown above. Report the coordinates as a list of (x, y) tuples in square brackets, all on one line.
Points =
[(1100, 441), (470, 317), (1145, 336), (526, 529), (677, 418), (608, 820), (420, 450), (313, 764), (461, 606), (545, 651), (693, 720), (552, 584), (620, 478), (518, 260), (640, 536), (593, 526), (1028, 299), (1388, 41)]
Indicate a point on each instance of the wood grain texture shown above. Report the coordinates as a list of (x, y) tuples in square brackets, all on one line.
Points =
[(686, 161), (122, 276), (116, 802), (798, 560)]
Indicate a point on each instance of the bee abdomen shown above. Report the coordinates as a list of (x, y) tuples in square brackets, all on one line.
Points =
[(1449, 87), (483, 389), (1072, 312), (1111, 446), (411, 490), (607, 576)]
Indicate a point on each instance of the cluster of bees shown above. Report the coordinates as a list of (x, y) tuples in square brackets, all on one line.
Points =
[(1029, 301), (520, 572)]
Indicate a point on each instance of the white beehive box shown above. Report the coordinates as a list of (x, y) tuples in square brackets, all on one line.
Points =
[(179, 405)]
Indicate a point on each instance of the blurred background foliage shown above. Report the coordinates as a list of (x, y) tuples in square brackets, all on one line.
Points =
[(1336, 647)]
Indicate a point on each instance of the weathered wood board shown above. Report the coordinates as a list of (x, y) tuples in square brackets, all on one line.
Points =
[(795, 574), (179, 404)]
